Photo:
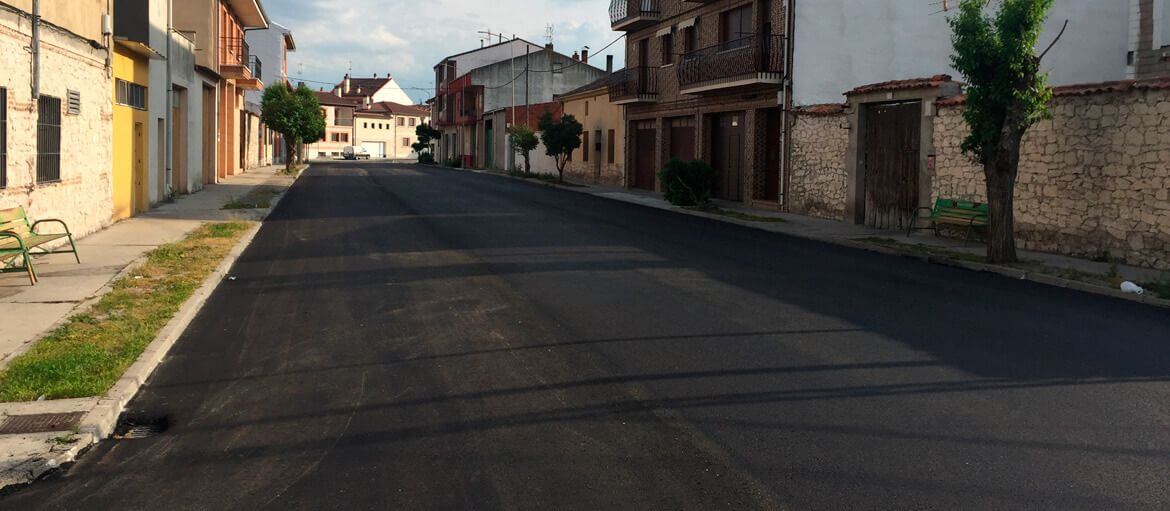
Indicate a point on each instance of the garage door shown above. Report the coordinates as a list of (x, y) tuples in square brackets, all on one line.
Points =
[(376, 149)]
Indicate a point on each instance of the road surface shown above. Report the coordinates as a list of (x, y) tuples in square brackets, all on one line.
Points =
[(406, 337)]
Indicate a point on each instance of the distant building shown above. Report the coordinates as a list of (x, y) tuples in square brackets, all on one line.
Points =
[(1149, 39), (387, 129), (372, 90), (271, 46), (339, 115), (601, 158)]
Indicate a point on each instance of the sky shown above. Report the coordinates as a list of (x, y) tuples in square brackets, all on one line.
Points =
[(406, 38)]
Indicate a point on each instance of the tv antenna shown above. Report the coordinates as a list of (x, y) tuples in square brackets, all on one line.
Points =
[(489, 35), (548, 33)]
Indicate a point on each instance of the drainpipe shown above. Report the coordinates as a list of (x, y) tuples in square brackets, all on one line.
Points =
[(169, 186), (36, 49), (785, 101)]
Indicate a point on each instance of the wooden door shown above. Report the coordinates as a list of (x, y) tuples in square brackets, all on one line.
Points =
[(682, 138), (892, 139), (727, 156), (140, 196), (208, 135), (179, 143), (645, 140), (772, 155)]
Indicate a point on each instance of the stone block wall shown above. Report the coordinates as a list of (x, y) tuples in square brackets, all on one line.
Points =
[(83, 196), (817, 180), (1093, 179)]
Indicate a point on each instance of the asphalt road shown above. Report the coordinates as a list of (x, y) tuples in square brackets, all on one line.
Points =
[(403, 337)]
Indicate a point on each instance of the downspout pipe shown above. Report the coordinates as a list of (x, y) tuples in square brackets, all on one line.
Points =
[(169, 114), (785, 106), (36, 49)]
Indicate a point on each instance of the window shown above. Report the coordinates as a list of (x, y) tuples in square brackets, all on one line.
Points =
[(3, 137), (130, 94), (667, 49), (405, 142), (585, 146), (345, 137), (689, 39), (587, 108), (412, 120), (365, 125), (736, 26), (402, 121), (48, 139), (596, 141), (558, 67), (73, 102), (610, 137)]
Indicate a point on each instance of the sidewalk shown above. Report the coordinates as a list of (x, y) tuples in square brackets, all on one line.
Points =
[(1051, 269), (28, 312)]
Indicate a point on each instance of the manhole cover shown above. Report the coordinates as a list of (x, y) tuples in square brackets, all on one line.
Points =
[(40, 423), (133, 428)]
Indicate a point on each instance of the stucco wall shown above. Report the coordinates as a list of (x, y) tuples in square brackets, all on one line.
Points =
[(840, 44), (82, 198), (818, 178), (600, 116), (541, 84), (1093, 179)]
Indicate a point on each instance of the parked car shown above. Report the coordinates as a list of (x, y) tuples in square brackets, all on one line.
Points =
[(355, 153)]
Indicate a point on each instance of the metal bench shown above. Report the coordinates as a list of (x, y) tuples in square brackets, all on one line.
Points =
[(19, 238), (951, 211)]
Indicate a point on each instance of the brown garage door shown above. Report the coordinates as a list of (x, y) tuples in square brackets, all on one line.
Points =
[(727, 155), (645, 139), (891, 163), (682, 138)]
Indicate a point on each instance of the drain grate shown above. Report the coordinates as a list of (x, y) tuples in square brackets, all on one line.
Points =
[(134, 428), (40, 423)]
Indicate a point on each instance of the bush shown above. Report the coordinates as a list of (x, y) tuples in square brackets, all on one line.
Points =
[(455, 163), (687, 183), (426, 158)]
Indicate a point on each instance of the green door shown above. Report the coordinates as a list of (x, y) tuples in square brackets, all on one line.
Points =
[(489, 143)]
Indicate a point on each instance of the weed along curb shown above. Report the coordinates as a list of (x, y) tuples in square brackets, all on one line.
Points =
[(31, 456)]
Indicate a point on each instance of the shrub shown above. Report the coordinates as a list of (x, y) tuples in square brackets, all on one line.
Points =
[(455, 163), (687, 183), (426, 158)]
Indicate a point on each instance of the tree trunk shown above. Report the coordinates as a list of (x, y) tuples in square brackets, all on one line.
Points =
[(527, 164), (1001, 174), (290, 150)]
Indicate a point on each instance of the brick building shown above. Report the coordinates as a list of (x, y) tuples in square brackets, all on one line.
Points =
[(702, 80), (1149, 51)]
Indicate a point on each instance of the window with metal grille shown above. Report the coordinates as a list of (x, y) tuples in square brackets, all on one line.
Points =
[(48, 139), (130, 94), (3, 137)]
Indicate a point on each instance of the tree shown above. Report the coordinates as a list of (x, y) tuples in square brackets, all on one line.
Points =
[(425, 145), (295, 114), (1006, 94), (522, 140), (560, 139)]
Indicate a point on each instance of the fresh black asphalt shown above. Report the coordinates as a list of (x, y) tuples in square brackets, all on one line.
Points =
[(407, 337)]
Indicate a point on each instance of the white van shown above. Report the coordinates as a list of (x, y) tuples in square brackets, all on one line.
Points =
[(355, 153)]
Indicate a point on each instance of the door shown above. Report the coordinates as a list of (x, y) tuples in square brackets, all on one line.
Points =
[(727, 155), (208, 135), (376, 149), (489, 146), (682, 138), (179, 143), (161, 147), (140, 194), (891, 163), (645, 139), (772, 155)]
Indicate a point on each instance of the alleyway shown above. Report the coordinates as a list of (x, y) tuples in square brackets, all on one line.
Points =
[(404, 337)]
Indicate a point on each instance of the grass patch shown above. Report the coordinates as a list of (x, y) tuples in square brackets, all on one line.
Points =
[(291, 171), (259, 197), (86, 356), (739, 215), (925, 250), (1160, 289)]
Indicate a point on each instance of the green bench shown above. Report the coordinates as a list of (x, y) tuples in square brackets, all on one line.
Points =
[(950, 211), (19, 237)]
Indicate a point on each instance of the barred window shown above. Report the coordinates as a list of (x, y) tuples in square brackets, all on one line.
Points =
[(130, 94), (3, 137), (48, 139)]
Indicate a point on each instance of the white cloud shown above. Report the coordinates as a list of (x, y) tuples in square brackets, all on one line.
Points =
[(406, 37)]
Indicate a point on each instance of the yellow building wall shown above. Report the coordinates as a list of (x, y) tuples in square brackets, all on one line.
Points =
[(600, 115), (131, 139)]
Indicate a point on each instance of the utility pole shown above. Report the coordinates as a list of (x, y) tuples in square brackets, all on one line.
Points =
[(527, 66)]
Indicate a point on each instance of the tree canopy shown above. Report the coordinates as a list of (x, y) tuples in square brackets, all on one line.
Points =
[(561, 138), (523, 140), (294, 113)]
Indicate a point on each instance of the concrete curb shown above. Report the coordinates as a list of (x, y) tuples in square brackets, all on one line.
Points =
[(99, 422), (1014, 273)]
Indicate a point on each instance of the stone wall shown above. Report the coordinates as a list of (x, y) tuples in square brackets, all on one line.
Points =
[(83, 196), (817, 180), (1093, 179)]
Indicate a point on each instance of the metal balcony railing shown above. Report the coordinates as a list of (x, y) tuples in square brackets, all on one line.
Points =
[(256, 66), (634, 84), (621, 11), (233, 51), (732, 60)]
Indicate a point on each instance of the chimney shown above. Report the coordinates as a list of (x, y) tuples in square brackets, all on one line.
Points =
[(609, 63), (346, 84), (549, 47), (576, 56), (337, 91), (375, 75), (585, 55)]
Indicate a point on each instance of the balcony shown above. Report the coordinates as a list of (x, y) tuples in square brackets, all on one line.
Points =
[(742, 63), (632, 15), (634, 85), (237, 63)]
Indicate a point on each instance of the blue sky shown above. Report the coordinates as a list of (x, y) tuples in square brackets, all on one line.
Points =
[(407, 37)]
